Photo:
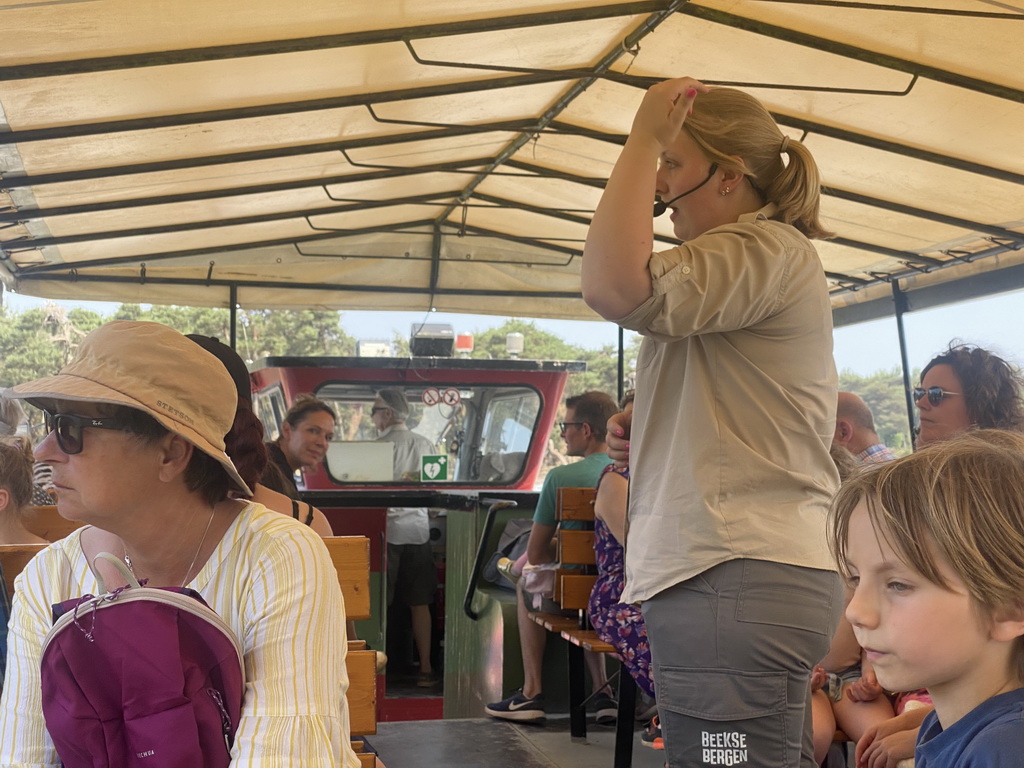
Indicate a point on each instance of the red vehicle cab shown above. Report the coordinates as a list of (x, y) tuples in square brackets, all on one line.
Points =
[(489, 422)]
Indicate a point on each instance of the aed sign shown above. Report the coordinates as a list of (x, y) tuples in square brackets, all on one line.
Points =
[(433, 468)]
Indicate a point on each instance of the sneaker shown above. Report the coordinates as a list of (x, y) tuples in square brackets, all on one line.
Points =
[(518, 707), (606, 709), (505, 568), (427, 679), (651, 736)]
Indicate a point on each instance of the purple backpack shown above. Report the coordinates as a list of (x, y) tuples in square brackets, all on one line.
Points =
[(141, 677)]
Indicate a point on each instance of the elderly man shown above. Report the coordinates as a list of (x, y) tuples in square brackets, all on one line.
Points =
[(855, 431)]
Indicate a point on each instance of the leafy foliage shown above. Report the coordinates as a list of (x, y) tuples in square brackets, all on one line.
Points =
[(39, 342)]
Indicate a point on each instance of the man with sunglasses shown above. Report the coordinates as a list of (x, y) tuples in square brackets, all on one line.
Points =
[(855, 431), (584, 431)]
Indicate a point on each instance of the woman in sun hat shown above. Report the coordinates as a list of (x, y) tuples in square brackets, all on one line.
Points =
[(136, 441)]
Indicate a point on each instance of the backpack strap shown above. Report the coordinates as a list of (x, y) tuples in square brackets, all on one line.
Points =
[(119, 564)]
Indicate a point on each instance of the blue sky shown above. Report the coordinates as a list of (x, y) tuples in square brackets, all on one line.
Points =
[(992, 323)]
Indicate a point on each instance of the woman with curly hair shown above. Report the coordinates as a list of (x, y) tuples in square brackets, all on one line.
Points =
[(967, 387)]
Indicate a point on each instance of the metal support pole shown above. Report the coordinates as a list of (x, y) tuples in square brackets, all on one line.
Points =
[(900, 305), (233, 316), (622, 364)]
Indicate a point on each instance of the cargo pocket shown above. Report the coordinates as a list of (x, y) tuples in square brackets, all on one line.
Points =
[(786, 596), (723, 717)]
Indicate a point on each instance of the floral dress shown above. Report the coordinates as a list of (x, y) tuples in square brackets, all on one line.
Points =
[(619, 624)]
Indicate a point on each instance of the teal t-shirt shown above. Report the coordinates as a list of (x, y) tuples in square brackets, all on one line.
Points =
[(579, 474)]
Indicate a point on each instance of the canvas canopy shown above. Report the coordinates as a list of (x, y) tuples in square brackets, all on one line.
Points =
[(449, 154)]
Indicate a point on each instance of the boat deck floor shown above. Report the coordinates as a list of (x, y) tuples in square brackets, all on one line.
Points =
[(490, 743)]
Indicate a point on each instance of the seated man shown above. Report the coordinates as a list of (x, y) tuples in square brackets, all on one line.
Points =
[(583, 430)]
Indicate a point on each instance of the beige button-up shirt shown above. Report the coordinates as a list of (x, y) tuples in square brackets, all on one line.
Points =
[(735, 407)]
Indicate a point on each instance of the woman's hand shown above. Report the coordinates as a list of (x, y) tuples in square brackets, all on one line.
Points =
[(665, 108), (619, 427)]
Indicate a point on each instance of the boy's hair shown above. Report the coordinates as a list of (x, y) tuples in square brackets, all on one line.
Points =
[(729, 124), (991, 386), (593, 408), (961, 500)]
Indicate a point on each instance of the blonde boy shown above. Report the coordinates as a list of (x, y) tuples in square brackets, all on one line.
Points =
[(932, 546)]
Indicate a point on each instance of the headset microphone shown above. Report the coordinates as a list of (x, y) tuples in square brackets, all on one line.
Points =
[(660, 206)]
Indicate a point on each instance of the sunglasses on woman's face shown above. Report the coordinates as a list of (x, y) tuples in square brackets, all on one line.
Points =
[(935, 394), (68, 429)]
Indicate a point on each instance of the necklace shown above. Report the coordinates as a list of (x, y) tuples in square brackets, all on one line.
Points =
[(128, 560)]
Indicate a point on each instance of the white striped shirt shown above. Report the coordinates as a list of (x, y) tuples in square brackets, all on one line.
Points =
[(271, 579)]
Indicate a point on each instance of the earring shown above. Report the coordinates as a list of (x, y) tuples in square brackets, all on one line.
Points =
[(725, 191)]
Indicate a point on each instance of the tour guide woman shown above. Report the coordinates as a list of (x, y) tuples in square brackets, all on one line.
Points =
[(734, 413), (138, 420)]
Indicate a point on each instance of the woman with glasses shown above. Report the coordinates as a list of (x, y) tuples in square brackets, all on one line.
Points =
[(967, 387), (736, 395), (136, 440)]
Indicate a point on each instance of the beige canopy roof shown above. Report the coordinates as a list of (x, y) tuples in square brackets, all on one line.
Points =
[(448, 154)]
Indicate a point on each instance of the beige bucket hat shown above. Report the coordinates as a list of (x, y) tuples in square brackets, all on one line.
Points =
[(154, 369)]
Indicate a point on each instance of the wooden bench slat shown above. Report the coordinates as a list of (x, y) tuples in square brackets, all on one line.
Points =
[(575, 591), (553, 622), (576, 547), (588, 640), (575, 504)]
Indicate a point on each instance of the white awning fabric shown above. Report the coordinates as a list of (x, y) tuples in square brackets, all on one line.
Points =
[(449, 154)]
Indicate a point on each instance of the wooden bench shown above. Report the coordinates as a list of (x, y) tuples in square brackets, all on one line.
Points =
[(46, 523), (351, 558), (572, 592)]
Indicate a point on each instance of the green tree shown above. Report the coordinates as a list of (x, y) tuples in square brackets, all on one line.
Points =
[(259, 332), (295, 332), (39, 342)]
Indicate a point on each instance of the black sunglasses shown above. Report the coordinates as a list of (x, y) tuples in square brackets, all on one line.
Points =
[(68, 429), (377, 408), (935, 394), (563, 424)]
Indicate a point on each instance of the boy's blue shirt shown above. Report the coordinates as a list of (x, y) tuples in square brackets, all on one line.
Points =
[(989, 736)]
